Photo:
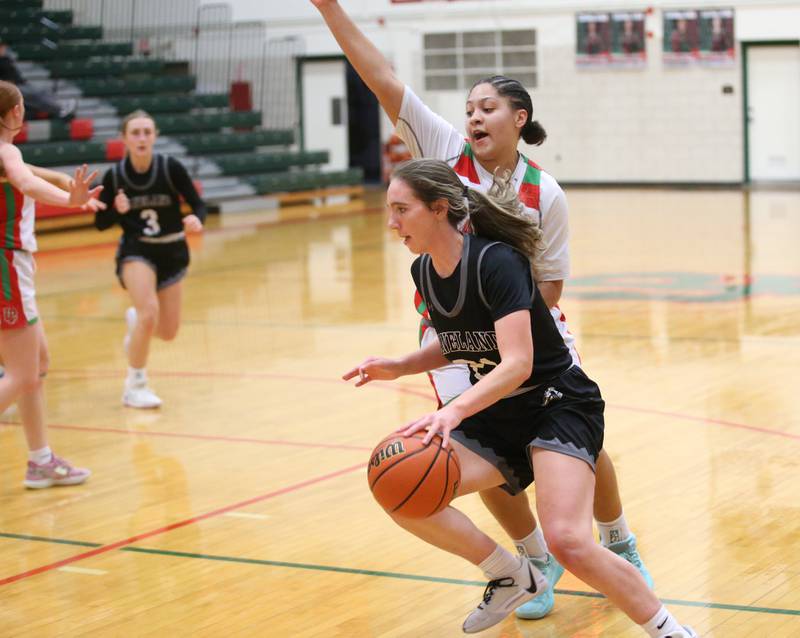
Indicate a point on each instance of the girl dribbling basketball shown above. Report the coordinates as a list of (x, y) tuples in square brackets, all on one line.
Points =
[(528, 410)]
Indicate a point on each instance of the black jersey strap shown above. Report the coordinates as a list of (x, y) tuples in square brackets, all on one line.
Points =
[(462, 283), (115, 176), (422, 270), (480, 283), (165, 166)]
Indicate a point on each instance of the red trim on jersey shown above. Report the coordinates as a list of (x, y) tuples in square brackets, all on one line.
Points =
[(11, 237), (12, 313), (418, 301), (466, 168), (19, 203), (529, 195)]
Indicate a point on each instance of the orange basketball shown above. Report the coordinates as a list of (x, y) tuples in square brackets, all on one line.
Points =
[(412, 479)]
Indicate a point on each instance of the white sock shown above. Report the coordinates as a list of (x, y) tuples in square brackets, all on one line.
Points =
[(41, 456), (533, 545), (136, 376), (500, 563), (614, 531), (662, 624)]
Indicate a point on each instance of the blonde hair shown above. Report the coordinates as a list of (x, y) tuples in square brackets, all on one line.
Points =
[(132, 116), (10, 96), (496, 215)]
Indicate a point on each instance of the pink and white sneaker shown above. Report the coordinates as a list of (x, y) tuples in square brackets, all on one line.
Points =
[(56, 472)]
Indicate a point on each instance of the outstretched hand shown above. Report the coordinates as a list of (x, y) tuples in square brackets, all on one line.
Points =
[(321, 3), (93, 205), (372, 369), (79, 191)]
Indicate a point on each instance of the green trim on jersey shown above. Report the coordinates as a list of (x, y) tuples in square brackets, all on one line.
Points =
[(5, 277), (532, 174), (11, 214)]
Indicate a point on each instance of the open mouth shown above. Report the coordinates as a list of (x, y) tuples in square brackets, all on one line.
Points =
[(479, 135)]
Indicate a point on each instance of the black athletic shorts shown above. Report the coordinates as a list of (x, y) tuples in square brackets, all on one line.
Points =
[(169, 261), (564, 415)]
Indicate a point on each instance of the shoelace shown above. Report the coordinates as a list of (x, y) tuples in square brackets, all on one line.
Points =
[(632, 558), (492, 585)]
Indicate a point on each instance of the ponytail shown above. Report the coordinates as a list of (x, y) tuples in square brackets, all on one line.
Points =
[(496, 215), (533, 133)]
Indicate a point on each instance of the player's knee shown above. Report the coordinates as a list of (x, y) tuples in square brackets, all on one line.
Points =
[(168, 333), (147, 317), (24, 382), (44, 362), (569, 547)]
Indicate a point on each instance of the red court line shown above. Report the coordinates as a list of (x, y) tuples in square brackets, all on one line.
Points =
[(200, 437), (161, 530), (386, 386), (702, 419)]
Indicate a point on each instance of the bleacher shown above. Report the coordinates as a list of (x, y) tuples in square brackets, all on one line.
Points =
[(227, 152)]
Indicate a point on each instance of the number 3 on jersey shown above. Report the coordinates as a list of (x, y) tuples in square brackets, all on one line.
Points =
[(150, 218)]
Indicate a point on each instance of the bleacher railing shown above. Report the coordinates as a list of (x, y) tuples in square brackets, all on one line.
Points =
[(219, 50)]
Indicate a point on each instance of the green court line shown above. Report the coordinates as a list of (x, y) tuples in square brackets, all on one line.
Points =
[(396, 575), (309, 566), (43, 539)]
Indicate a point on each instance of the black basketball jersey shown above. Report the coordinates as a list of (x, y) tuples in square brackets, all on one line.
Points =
[(491, 281), (155, 203)]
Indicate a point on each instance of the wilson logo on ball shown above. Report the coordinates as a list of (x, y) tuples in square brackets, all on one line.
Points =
[(393, 449), (411, 478)]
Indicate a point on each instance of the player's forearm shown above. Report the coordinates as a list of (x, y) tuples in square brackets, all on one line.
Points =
[(56, 178), (373, 68), (423, 360), (42, 191), (509, 375)]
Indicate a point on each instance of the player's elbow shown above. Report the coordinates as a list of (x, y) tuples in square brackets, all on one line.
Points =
[(519, 368)]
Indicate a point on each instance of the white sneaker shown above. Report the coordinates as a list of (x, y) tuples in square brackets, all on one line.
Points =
[(130, 320), (140, 397), (503, 595), (687, 632)]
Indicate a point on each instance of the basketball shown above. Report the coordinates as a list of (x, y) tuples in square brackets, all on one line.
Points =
[(412, 479)]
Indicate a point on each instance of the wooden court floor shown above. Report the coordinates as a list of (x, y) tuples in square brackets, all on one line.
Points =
[(240, 508)]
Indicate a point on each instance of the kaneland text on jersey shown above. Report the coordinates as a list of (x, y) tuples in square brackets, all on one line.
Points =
[(468, 341)]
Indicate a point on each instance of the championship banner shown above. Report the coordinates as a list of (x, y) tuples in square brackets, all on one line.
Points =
[(705, 36), (593, 42), (717, 40), (681, 36), (628, 39)]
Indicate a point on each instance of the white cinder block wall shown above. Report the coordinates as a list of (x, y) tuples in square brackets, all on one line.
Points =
[(657, 124)]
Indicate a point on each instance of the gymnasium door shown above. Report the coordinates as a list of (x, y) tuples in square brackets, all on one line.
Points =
[(773, 114), (340, 115), (324, 109)]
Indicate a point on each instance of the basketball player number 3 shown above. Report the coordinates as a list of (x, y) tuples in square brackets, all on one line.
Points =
[(150, 218)]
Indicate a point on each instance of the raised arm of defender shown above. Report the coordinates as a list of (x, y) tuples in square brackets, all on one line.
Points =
[(368, 62)]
